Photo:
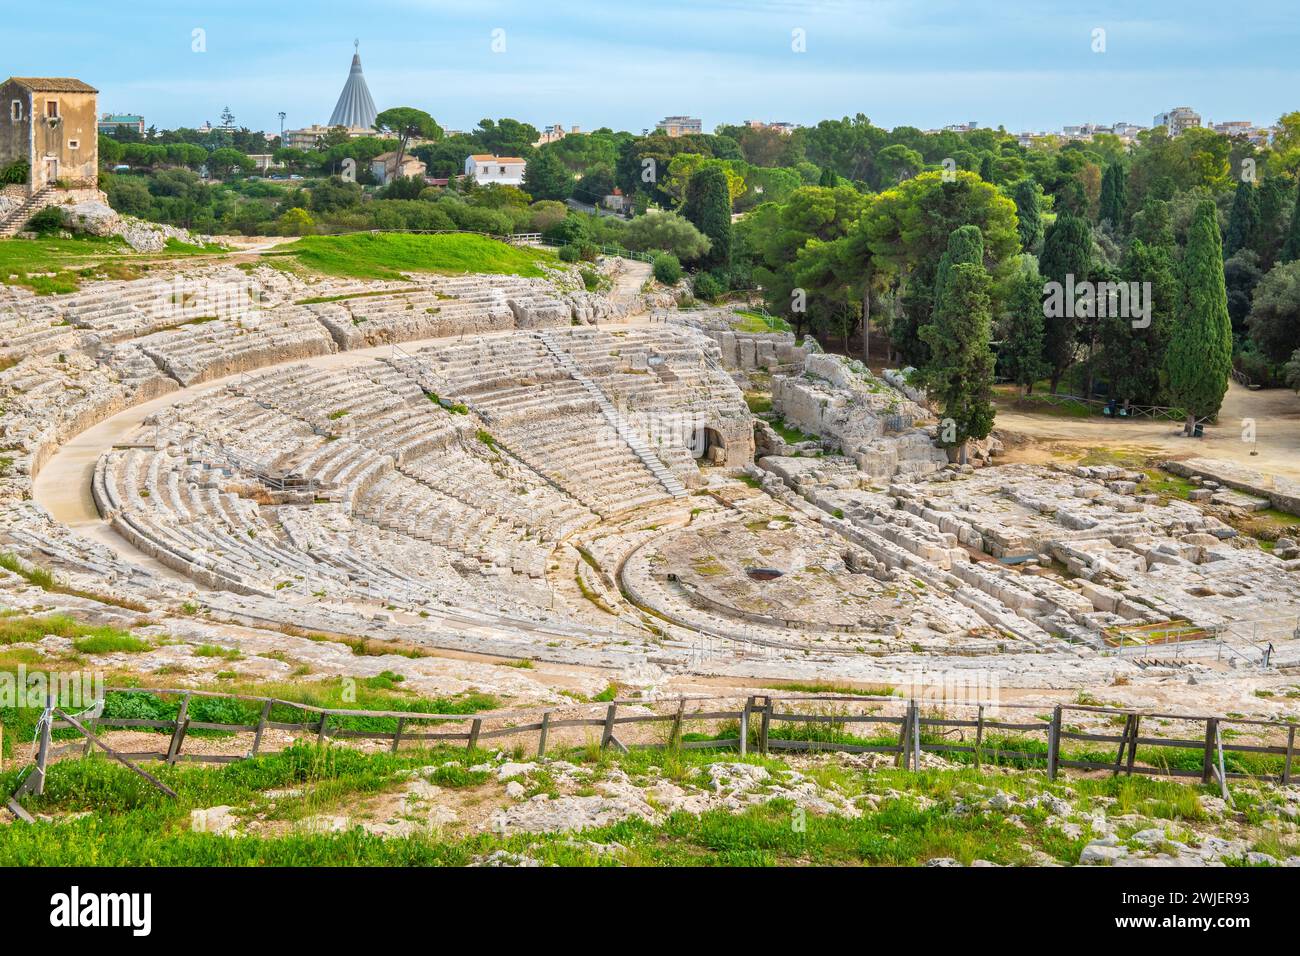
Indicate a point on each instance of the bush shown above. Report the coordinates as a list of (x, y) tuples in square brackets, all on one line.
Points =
[(706, 286), (16, 174), (570, 254), (590, 280), (49, 219), (667, 268)]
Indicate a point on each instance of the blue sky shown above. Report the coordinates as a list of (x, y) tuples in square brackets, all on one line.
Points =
[(927, 63)]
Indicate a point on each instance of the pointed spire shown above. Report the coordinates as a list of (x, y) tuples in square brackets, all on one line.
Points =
[(355, 108)]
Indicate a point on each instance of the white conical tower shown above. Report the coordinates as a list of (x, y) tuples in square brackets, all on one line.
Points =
[(355, 109)]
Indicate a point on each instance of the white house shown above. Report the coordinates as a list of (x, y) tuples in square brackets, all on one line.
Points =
[(502, 170)]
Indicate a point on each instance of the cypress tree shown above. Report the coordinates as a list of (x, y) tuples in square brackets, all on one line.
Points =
[(1020, 357), (708, 206), (1243, 222), (1067, 252), (960, 373), (986, 168), (1114, 196), (1199, 357), (1029, 213), (1291, 246)]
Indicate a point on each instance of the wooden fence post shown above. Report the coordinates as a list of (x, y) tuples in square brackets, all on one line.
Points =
[(541, 737), (979, 736), (765, 727), (1207, 759), (397, 735), (916, 735), (474, 729), (609, 726), (675, 735), (1133, 743), (1290, 754), (178, 733), (261, 728), (744, 726), (1123, 743), (1054, 743), (904, 731), (43, 748), (322, 733)]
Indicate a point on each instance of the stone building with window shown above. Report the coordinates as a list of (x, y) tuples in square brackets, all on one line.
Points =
[(51, 125)]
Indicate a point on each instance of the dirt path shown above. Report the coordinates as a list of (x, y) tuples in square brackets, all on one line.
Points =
[(1275, 412)]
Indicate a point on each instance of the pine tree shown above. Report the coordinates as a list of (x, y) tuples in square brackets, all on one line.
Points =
[(1020, 357), (1067, 260), (546, 177), (960, 372), (1029, 213), (1291, 247), (1243, 223), (1114, 196), (1199, 357), (708, 206)]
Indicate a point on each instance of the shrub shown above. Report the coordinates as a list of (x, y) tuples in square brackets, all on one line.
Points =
[(706, 286), (16, 174), (49, 219), (667, 268), (570, 254)]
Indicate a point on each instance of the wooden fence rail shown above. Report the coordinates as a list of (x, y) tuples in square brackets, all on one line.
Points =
[(761, 726)]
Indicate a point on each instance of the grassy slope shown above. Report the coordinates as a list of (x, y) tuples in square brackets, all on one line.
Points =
[(388, 255), (52, 266), (129, 822)]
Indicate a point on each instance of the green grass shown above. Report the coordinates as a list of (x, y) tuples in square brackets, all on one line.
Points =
[(52, 266), (759, 403), (111, 643), (790, 434), (752, 322), (126, 821), (389, 255)]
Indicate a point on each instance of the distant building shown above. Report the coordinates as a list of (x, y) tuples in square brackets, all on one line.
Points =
[(680, 125), (780, 127), (51, 124), (502, 170), (1178, 120), (110, 123), (385, 169), (310, 137), (553, 134), (264, 162)]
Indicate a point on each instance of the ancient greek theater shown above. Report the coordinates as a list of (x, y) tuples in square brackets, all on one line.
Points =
[(517, 467)]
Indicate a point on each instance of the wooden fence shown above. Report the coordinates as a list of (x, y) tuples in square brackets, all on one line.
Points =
[(920, 727)]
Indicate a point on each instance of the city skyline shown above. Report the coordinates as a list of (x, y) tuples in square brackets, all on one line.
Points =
[(928, 65)]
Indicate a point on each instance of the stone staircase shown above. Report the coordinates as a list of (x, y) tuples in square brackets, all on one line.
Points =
[(13, 223), (672, 484)]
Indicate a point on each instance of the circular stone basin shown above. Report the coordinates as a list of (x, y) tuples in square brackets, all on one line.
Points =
[(764, 574)]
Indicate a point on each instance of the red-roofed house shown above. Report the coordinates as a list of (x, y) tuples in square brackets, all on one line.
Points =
[(502, 170)]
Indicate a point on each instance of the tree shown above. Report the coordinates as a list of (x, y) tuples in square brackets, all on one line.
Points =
[(1199, 357), (1067, 261), (1020, 357), (960, 372), (1029, 213), (225, 161), (1274, 319), (708, 206), (1291, 245), (405, 123), (1153, 224), (1114, 198), (668, 232), (1132, 356), (1243, 223), (295, 222), (545, 177), (906, 229)]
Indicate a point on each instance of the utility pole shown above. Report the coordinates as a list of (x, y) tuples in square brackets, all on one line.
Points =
[(282, 116)]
